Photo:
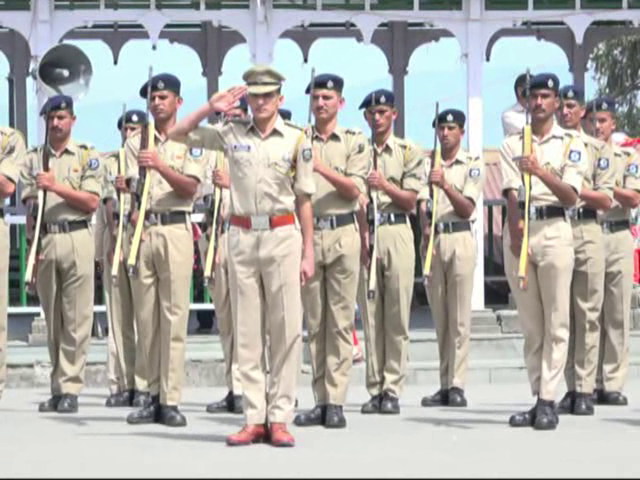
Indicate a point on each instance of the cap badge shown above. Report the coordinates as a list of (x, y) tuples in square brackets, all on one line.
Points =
[(330, 84), (383, 99), (160, 84), (134, 118), (449, 118), (550, 83)]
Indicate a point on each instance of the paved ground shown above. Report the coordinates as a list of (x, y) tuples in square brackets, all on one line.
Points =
[(421, 442)]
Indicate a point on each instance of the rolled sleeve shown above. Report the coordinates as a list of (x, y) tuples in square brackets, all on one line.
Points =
[(413, 175), (131, 150), (423, 194), (29, 188), (474, 180), (13, 156), (209, 137), (510, 172), (358, 161), (632, 174), (195, 167), (575, 164), (605, 176), (304, 183)]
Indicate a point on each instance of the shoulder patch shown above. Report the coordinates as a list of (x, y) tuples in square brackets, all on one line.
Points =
[(360, 147), (575, 156), (603, 163), (196, 152), (474, 172), (93, 164), (307, 154), (633, 169)]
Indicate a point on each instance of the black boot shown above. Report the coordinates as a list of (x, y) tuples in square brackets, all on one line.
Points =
[(523, 419), (224, 405), (390, 404), (68, 404), (372, 406), (171, 416), (612, 398), (141, 399), (438, 399), (565, 406), (546, 417), (148, 414), (583, 405), (50, 405), (456, 397), (334, 417), (311, 418), (120, 399)]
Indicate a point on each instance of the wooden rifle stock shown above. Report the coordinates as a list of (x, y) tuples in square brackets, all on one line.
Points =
[(209, 274), (526, 180), (117, 253), (433, 194), (373, 222)]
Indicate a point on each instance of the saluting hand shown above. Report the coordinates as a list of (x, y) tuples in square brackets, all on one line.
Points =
[(227, 99), (45, 180), (149, 159)]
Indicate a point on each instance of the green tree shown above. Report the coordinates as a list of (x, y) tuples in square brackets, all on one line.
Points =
[(616, 67)]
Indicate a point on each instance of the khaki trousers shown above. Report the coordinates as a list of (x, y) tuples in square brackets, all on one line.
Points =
[(221, 297), (329, 303), (587, 292), (161, 301), (264, 270), (613, 361), (386, 323), (4, 299), (65, 285), (449, 292), (543, 307), (125, 357)]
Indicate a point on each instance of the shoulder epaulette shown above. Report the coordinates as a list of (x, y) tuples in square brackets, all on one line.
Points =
[(238, 120), (293, 125), (353, 131)]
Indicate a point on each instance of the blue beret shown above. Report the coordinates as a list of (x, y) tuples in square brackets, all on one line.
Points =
[(571, 92), (327, 81), (162, 81), (602, 104), (450, 115), (545, 81), (378, 97), (57, 102), (133, 117), (284, 113)]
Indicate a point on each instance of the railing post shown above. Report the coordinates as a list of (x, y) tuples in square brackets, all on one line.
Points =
[(23, 259)]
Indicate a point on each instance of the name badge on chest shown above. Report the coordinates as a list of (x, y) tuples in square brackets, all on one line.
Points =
[(240, 147)]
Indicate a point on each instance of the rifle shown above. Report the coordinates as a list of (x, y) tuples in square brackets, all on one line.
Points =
[(34, 248), (213, 240), (526, 180), (433, 197), (147, 140), (373, 220), (117, 253)]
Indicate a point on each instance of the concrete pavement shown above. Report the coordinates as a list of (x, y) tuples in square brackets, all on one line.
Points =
[(421, 442)]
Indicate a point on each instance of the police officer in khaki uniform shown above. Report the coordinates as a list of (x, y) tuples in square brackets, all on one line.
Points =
[(513, 119), (587, 285), (394, 185), (341, 166), (458, 184), (613, 362), (125, 357), (12, 154), (165, 264), (557, 167), (65, 272), (271, 170), (219, 289)]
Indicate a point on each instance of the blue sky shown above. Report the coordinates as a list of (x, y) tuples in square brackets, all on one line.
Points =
[(435, 73)]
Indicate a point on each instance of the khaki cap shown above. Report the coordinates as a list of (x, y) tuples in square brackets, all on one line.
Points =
[(262, 79)]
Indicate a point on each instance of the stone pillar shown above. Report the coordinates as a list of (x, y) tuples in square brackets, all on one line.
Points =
[(213, 60), (579, 67), (398, 71), (475, 58)]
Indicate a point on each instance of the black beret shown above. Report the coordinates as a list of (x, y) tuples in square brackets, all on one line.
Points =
[(133, 117), (545, 81), (602, 104), (326, 81), (162, 81), (450, 115), (284, 113), (378, 97), (571, 92), (57, 102)]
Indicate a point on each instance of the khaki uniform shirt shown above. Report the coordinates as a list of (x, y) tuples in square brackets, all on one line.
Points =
[(465, 174), (212, 159), (626, 165), (513, 119), (401, 163), (78, 167), (12, 154), (562, 152), (266, 173), (347, 152), (600, 174), (179, 157)]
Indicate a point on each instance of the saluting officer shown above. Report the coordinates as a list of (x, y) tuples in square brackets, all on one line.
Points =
[(65, 275), (613, 361), (557, 166), (220, 287), (271, 170), (458, 184), (587, 285), (395, 185), (125, 359), (341, 165), (165, 264), (12, 155)]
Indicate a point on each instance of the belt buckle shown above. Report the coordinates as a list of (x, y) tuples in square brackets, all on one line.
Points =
[(152, 219), (260, 222), (573, 213), (381, 219), (440, 227), (533, 213), (53, 228), (606, 227), (324, 223)]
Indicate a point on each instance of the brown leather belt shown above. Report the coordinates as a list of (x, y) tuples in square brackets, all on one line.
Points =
[(262, 222)]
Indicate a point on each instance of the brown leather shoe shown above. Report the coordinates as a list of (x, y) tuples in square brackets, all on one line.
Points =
[(248, 435), (280, 436)]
